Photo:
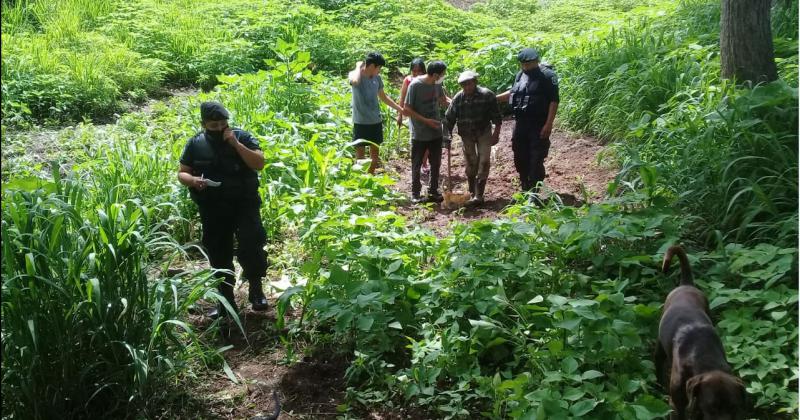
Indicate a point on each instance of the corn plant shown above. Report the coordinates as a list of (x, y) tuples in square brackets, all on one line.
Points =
[(84, 331)]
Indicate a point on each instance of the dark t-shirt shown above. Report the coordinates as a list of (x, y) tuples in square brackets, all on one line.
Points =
[(424, 98), (219, 161), (194, 149), (532, 94)]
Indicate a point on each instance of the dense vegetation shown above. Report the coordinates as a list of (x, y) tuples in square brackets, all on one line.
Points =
[(548, 313)]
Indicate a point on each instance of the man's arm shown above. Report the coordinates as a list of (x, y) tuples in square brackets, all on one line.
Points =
[(497, 119), (551, 116), (355, 75), (503, 97), (445, 99), (451, 115), (254, 159), (403, 91), (409, 110), (388, 101), (553, 95), (185, 177)]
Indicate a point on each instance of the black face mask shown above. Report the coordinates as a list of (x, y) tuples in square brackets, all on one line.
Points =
[(215, 136), (533, 72)]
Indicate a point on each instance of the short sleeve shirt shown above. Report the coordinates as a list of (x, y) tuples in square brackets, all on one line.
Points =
[(194, 154), (541, 86), (366, 109), (424, 99)]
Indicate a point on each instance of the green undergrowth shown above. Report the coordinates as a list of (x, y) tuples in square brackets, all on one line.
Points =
[(543, 313)]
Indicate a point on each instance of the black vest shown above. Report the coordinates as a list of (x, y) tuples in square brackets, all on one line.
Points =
[(529, 96), (218, 161)]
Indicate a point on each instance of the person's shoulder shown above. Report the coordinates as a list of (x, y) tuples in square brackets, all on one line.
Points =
[(244, 135), (485, 91), (550, 73), (198, 137), (241, 132), (415, 82)]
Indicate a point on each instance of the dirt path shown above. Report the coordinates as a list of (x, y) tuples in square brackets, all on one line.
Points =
[(308, 384), (572, 164)]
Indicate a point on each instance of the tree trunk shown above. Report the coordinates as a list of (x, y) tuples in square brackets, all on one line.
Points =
[(746, 51)]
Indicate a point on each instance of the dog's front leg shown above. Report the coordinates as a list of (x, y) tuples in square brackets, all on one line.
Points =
[(660, 360)]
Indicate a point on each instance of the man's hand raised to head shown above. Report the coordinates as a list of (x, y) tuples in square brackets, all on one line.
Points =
[(229, 137)]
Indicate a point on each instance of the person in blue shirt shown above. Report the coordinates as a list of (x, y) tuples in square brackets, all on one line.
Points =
[(367, 87)]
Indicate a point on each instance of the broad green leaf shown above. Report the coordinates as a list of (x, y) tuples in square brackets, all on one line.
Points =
[(591, 374), (569, 365), (365, 323), (582, 407)]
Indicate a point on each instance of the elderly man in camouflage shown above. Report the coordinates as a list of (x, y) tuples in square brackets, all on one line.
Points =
[(475, 108)]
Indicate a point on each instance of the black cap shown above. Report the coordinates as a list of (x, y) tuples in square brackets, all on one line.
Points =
[(528, 54), (213, 111)]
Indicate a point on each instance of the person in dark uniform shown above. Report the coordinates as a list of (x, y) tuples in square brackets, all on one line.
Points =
[(534, 99), (220, 166)]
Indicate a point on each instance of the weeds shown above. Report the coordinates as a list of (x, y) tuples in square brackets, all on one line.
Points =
[(548, 313)]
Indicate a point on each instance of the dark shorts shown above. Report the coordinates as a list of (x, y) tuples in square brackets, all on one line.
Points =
[(371, 132)]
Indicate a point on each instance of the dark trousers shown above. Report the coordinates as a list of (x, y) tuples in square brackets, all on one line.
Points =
[(221, 222), (418, 148), (529, 154)]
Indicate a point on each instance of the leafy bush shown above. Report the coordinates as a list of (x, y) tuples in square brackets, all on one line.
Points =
[(52, 82), (657, 84)]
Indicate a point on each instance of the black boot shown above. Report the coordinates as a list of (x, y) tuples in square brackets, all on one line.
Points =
[(471, 182), (479, 190), (434, 196), (257, 298), (525, 184), (226, 290)]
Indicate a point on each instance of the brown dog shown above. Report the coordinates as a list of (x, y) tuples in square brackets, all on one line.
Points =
[(701, 384)]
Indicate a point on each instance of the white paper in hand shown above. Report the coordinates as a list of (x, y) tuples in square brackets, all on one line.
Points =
[(212, 183)]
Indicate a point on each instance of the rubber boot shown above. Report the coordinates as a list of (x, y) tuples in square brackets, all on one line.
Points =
[(524, 184), (256, 296), (226, 290), (477, 197), (471, 182), (480, 189)]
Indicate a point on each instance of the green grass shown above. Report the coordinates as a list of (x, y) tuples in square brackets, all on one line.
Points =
[(88, 326)]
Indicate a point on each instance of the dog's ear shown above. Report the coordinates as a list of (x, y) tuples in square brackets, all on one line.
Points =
[(693, 393)]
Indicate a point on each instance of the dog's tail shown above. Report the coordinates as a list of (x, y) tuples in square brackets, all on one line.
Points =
[(686, 270), (276, 412)]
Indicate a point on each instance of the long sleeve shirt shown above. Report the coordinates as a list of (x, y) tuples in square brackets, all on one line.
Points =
[(473, 113)]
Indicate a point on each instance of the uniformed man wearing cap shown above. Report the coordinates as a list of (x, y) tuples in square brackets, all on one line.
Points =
[(534, 99), (474, 109), (220, 166)]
